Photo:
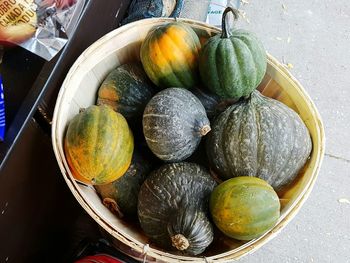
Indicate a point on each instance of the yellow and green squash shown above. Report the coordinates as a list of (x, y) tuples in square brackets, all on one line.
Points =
[(169, 55), (98, 145), (244, 207)]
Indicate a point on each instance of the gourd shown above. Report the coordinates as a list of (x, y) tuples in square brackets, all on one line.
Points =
[(259, 137), (244, 207), (173, 206), (169, 55), (120, 196), (98, 145), (174, 121), (127, 90), (212, 103), (234, 63)]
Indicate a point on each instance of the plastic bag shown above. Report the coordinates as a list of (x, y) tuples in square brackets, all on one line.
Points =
[(40, 26)]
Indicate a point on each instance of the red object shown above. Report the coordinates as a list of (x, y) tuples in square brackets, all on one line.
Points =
[(100, 258)]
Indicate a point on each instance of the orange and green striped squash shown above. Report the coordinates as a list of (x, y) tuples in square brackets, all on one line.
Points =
[(169, 55), (244, 207), (98, 145)]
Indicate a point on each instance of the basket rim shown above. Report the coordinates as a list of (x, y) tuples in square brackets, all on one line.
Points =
[(250, 246)]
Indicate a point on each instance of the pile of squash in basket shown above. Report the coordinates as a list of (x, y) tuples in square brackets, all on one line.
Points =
[(183, 142)]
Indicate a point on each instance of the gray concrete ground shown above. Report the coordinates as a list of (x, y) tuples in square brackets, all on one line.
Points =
[(314, 36)]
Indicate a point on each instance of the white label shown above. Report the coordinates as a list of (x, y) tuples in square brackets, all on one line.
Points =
[(215, 11)]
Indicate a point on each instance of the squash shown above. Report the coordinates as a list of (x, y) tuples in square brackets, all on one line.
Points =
[(98, 145), (174, 121), (244, 207), (208, 100), (173, 206), (259, 137), (120, 196), (203, 34), (212, 103), (169, 55), (127, 90), (234, 63)]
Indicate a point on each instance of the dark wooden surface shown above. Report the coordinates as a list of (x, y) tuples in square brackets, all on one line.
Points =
[(38, 214)]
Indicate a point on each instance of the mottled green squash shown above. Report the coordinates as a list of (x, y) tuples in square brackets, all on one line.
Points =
[(127, 90), (244, 207), (259, 137), (173, 207), (174, 121), (98, 145), (169, 55), (234, 63), (121, 195)]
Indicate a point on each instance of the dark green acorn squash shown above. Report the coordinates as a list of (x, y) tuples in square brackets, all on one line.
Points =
[(127, 90), (174, 121), (121, 195), (259, 137), (173, 206), (234, 63)]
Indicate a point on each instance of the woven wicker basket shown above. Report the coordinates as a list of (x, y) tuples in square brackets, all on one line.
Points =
[(79, 91)]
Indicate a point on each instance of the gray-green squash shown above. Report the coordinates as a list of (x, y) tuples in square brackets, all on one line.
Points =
[(259, 137), (174, 121), (173, 207)]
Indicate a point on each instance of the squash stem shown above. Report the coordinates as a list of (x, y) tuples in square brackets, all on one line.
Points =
[(226, 30), (112, 205), (204, 130), (180, 242)]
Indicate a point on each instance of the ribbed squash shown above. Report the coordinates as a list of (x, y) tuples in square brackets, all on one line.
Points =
[(173, 207), (169, 55), (234, 63), (174, 121), (127, 90), (98, 145), (259, 137), (244, 207)]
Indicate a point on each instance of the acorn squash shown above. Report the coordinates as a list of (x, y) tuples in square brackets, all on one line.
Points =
[(98, 145), (244, 207), (169, 55), (234, 63), (127, 90)]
